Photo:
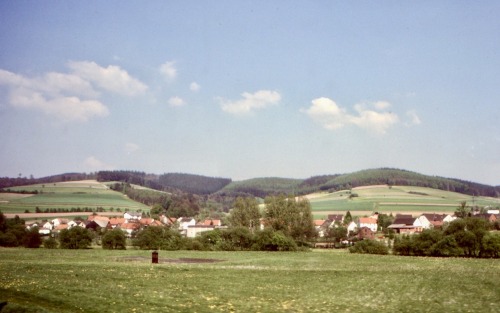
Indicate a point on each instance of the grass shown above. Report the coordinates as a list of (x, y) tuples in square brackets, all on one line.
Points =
[(67, 195), (395, 199), (96, 280)]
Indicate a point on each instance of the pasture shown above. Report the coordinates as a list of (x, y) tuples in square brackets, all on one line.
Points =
[(395, 199), (66, 195), (97, 280)]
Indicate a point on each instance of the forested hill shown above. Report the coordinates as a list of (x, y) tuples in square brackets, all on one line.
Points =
[(196, 184), (261, 187), (384, 176)]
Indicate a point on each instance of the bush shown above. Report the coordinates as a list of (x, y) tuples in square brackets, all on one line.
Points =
[(369, 247), (50, 243), (270, 240), (163, 238), (114, 240), (75, 238), (32, 239)]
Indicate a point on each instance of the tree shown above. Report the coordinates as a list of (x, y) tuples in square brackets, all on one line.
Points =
[(156, 238), (348, 218), (336, 233), (369, 247), (114, 240), (462, 211), (32, 239), (491, 245), (469, 233), (50, 243), (245, 213), (75, 238), (290, 216)]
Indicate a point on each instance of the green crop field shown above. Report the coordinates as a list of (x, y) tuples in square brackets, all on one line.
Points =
[(395, 199), (66, 195), (97, 280)]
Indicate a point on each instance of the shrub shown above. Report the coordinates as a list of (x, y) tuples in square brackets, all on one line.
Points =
[(114, 240), (369, 247), (75, 238), (270, 240), (32, 239), (50, 243)]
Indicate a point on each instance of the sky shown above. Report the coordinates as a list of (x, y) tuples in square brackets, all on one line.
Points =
[(245, 89)]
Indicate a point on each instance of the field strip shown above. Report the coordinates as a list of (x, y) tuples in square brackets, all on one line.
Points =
[(36, 215), (418, 204)]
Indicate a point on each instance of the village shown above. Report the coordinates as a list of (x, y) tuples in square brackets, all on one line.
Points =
[(358, 228)]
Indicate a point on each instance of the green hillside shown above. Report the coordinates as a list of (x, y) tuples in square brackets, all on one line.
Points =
[(394, 199), (67, 196), (262, 187)]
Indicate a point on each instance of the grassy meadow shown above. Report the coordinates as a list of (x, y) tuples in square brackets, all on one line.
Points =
[(66, 195), (97, 280), (395, 199)]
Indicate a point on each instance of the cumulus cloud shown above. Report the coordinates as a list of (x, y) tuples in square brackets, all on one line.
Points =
[(370, 116), (194, 87), (69, 96), (65, 108), (111, 78), (93, 164), (250, 102), (176, 102), (54, 94), (168, 70)]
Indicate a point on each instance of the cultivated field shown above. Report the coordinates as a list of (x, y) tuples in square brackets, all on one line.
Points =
[(395, 199), (67, 195), (97, 280)]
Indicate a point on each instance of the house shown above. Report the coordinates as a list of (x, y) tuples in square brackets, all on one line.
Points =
[(194, 230), (58, 221), (184, 223), (320, 227), (351, 227), (336, 219), (368, 222), (58, 228), (116, 221), (129, 228), (132, 216), (366, 233), (169, 221), (435, 220), (489, 217), (48, 225), (406, 224), (213, 222)]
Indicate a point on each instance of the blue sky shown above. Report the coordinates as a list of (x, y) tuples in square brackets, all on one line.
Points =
[(245, 89)]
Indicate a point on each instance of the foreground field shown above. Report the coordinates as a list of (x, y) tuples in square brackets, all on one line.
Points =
[(395, 199), (322, 281)]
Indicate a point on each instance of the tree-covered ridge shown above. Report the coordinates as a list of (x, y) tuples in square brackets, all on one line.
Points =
[(262, 187), (196, 184)]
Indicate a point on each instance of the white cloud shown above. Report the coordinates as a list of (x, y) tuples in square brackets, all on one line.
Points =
[(250, 102), (111, 78), (69, 96), (194, 87), (176, 102), (131, 147), (413, 118), (168, 70), (93, 164), (328, 114), (52, 95), (65, 108)]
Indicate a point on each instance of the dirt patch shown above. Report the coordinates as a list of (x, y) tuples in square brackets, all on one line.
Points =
[(166, 260)]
